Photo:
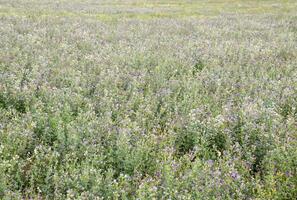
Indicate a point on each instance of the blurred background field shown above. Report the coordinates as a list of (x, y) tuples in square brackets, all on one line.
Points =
[(112, 10)]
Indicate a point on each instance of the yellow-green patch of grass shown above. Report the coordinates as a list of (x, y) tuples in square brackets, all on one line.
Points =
[(172, 9), (241, 6), (17, 12)]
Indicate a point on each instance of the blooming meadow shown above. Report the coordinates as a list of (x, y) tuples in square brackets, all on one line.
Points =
[(148, 99)]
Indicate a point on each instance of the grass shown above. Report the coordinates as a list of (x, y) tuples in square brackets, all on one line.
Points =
[(148, 99), (144, 9)]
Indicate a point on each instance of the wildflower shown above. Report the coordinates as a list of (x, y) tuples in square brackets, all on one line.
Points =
[(210, 162), (235, 175)]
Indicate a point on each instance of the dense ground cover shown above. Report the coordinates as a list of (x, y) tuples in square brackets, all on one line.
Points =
[(148, 99)]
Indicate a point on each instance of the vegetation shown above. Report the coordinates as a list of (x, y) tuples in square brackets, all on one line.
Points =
[(148, 99)]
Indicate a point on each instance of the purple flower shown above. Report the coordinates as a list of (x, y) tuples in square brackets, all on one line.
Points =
[(288, 174), (235, 175), (158, 174), (210, 162)]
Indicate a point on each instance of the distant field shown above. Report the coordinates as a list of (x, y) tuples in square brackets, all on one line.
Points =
[(148, 99), (115, 10)]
